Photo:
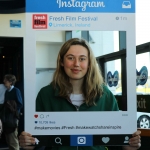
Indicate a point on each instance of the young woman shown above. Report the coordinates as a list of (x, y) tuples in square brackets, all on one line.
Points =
[(77, 86)]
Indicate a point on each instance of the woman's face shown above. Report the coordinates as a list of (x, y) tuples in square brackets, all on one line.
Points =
[(76, 62)]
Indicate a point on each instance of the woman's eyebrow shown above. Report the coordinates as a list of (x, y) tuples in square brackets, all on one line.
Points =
[(74, 55), (69, 55)]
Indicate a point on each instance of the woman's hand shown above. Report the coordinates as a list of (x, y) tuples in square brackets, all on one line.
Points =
[(135, 142), (26, 140)]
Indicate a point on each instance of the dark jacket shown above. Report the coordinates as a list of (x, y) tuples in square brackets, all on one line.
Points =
[(49, 100), (15, 95)]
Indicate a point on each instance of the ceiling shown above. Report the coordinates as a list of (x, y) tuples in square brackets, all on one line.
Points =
[(12, 6)]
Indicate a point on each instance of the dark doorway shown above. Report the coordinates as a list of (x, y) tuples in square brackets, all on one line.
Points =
[(11, 62), (11, 57)]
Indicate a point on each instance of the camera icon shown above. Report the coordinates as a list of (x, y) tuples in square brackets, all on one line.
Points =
[(81, 140)]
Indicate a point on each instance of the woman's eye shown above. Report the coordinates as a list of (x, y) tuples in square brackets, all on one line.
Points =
[(81, 59), (71, 58)]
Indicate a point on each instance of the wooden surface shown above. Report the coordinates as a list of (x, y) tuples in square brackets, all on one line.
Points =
[(145, 132)]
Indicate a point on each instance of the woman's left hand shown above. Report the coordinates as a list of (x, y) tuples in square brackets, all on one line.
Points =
[(134, 142)]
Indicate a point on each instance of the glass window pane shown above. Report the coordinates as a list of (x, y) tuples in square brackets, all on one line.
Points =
[(142, 79), (113, 76)]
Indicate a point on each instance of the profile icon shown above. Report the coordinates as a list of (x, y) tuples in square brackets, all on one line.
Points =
[(126, 139)]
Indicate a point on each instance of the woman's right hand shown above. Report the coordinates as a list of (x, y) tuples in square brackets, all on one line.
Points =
[(26, 140)]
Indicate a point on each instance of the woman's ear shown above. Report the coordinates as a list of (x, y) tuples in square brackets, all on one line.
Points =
[(62, 64)]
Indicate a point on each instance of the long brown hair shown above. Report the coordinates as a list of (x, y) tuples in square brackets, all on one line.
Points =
[(93, 80)]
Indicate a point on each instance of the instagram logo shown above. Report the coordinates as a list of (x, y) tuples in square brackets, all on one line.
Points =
[(81, 140)]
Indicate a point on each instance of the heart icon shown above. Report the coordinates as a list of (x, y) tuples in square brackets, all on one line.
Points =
[(105, 139), (35, 115)]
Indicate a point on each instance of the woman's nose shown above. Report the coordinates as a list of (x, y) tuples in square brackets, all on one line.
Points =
[(76, 62)]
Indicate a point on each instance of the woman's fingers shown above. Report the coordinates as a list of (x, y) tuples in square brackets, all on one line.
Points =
[(28, 147), (135, 141), (138, 132), (25, 133), (26, 140)]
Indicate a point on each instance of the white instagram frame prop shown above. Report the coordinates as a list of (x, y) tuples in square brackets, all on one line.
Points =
[(108, 19)]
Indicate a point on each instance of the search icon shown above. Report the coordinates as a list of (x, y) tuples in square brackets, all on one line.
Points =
[(58, 140)]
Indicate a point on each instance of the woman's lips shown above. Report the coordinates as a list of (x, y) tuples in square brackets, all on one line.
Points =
[(75, 70)]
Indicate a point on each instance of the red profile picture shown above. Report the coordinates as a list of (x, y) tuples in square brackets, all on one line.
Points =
[(39, 21)]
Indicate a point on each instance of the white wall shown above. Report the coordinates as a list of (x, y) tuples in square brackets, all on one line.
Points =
[(5, 29), (142, 21), (46, 54), (43, 79), (48, 44), (50, 36)]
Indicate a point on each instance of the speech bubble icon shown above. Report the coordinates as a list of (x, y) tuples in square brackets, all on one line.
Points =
[(36, 116)]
